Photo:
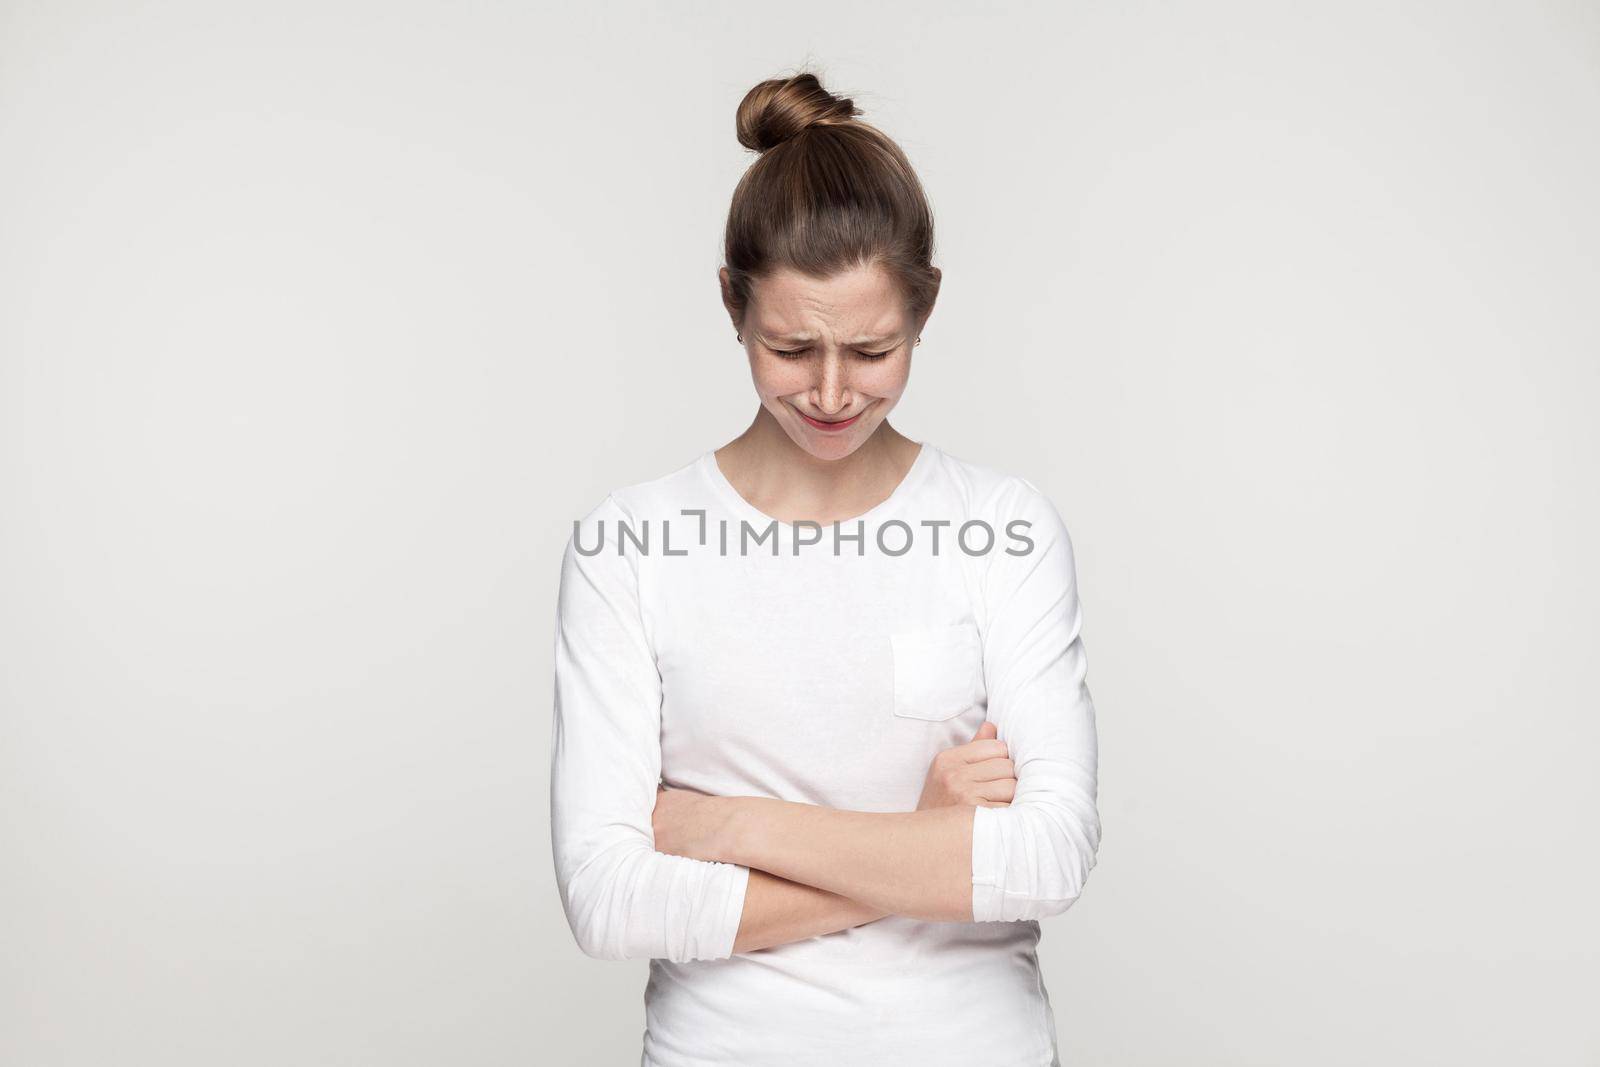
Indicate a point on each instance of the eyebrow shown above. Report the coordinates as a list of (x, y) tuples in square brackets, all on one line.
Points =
[(803, 339)]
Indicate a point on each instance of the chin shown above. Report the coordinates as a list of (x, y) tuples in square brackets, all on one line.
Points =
[(829, 446)]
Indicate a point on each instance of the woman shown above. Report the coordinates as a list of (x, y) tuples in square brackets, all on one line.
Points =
[(852, 659)]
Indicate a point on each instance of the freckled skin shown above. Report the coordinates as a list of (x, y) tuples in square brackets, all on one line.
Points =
[(782, 464), (831, 380)]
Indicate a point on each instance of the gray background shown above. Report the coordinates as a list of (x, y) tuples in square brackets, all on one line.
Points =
[(319, 322)]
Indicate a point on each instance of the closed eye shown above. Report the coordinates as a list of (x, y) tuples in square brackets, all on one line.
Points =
[(796, 353)]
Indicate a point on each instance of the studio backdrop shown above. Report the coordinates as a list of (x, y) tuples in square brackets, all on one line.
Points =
[(320, 323)]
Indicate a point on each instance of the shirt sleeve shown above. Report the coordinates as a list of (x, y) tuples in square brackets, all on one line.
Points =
[(1031, 859), (623, 899)]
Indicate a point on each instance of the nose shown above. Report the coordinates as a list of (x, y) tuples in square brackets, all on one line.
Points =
[(831, 395)]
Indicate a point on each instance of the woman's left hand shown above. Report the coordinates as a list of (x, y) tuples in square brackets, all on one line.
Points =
[(691, 824)]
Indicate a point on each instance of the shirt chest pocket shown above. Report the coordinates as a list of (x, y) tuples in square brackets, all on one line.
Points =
[(938, 671)]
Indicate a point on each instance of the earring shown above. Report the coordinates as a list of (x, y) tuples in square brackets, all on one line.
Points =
[(739, 337), (919, 340)]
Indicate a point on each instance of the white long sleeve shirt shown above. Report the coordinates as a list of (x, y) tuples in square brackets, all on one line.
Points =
[(705, 645)]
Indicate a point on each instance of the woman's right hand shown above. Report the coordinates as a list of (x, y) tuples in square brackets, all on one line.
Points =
[(977, 773)]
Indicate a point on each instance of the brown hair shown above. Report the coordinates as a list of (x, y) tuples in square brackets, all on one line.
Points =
[(828, 194)]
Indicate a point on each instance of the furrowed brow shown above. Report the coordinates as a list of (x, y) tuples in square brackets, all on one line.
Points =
[(802, 339)]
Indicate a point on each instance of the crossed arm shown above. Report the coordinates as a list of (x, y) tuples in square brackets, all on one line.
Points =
[(838, 869), (778, 911), (815, 870)]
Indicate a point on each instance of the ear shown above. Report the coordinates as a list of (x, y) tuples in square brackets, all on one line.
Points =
[(725, 281), (938, 280)]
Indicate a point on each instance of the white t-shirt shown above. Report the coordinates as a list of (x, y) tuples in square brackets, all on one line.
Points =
[(726, 652)]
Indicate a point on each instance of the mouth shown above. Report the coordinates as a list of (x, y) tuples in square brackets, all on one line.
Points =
[(834, 426)]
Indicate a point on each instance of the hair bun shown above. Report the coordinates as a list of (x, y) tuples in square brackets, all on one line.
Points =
[(777, 109)]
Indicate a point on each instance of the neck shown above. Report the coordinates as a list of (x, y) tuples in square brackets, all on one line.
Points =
[(785, 481)]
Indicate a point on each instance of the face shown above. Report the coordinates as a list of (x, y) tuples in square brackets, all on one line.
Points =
[(829, 357)]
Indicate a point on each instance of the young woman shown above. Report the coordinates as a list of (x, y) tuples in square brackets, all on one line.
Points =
[(823, 750)]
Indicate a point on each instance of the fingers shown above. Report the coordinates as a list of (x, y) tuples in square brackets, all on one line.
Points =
[(977, 751), (990, 770), (1000, 791), (985, 731)]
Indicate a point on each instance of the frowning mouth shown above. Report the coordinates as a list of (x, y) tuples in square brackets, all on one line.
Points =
[(829, 427)]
